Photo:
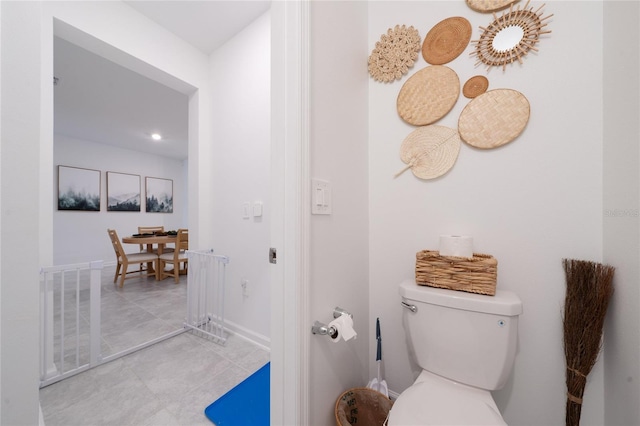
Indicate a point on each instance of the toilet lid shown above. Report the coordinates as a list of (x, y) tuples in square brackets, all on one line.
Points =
[(423, 404)]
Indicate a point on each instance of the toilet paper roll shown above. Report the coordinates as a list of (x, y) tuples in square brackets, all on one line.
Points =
[(344, 327), (456, 245)]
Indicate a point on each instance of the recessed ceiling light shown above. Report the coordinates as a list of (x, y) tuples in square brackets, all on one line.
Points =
[(156, 136)]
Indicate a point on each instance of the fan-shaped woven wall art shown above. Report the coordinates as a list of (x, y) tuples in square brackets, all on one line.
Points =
[(394, 54), (428, 95), (430, 151), (494, 118), (446, 40)]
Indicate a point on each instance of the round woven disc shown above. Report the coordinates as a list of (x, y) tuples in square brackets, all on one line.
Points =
[(489, 5), (475, 86), (428, 95), (494, 118), (446, 40), (430, 151)]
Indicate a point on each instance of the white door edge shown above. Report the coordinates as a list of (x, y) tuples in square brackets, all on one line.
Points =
[(290, 338)]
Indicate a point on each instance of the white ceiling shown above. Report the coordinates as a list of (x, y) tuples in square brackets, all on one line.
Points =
[(203, 24), (99, 101)]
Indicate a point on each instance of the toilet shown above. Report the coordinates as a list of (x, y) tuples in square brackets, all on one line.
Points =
[(465, 344)]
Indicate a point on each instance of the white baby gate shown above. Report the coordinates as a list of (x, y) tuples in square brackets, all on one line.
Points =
[(70, 320), (205, 294), (70, 306)]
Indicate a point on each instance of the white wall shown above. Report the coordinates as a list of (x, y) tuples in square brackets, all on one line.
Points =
[(621, 204), (117, 32), (20, 137), (27, 156), (141, 45), (82, 236), (530, 203), (240, 168), (222, 175), (338, 242)]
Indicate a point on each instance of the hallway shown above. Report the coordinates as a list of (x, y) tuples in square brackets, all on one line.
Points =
[(169, 383)]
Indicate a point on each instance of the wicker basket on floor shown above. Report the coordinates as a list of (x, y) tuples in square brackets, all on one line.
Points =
[(362, 406), (474, 275)]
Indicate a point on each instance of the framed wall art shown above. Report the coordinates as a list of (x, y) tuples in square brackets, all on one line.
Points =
[(123, 192), (78, 189), (159, 195)]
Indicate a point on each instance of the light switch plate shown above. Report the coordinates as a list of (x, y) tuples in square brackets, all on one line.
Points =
[(257, 209), (320, 196)]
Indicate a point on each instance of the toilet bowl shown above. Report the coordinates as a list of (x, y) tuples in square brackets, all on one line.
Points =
[(465, 344)]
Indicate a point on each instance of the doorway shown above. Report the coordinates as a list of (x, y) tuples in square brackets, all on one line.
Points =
[(104, 115), (199, 112)]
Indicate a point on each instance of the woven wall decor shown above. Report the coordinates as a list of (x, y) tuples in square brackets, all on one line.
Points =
[(494, 118), (428, 95), (430, 151), (531, 24), (446, 40), (475, 86), (394, 54), (489, 5)]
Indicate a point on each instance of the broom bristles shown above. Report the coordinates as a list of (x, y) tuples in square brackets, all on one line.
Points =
[(589, 289)]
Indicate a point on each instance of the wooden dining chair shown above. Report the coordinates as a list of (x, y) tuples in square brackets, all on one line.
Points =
[(151, 230), (125, 259), (177, 258)]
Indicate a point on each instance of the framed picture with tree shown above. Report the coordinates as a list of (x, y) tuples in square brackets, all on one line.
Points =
[(78, 189), (159, 195)]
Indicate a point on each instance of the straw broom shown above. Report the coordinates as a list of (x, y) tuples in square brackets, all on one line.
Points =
[(589, 289)]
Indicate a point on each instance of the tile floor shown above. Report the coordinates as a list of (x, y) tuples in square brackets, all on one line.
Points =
[(169, 383)]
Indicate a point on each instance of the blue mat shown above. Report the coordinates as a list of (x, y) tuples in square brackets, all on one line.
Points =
[(246, 404)]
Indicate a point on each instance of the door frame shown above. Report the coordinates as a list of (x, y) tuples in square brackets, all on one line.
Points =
[(290, 337)]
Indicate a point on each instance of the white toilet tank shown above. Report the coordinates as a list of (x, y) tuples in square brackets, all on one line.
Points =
[(465, 337)]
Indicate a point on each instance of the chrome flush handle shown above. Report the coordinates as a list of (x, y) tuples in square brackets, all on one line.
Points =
[(412, 308)]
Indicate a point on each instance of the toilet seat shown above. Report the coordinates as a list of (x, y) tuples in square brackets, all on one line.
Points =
[(433, 400)]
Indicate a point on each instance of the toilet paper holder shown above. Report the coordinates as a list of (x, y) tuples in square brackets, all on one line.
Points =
[(323, 329)]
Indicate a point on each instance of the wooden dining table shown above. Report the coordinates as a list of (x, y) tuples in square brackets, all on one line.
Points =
[(149, 241)]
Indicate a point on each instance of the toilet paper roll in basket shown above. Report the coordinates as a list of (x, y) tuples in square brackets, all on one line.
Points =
[(344, 328), (456, 245)]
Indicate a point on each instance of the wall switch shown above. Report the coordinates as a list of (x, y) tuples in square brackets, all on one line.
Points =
[(257, 209), (245, 285), (320, 196), (246, 208)]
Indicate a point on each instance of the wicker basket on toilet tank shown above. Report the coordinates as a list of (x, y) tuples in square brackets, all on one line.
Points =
[(477, 274)]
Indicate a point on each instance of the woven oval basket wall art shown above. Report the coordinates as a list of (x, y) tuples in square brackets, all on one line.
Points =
[(494, 118), (428, 95), (475, 86), (489, 5), (446, 40)]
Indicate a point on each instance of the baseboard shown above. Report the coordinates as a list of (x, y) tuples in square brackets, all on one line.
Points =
[(251, 336), (231, 327), (40, 416)]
